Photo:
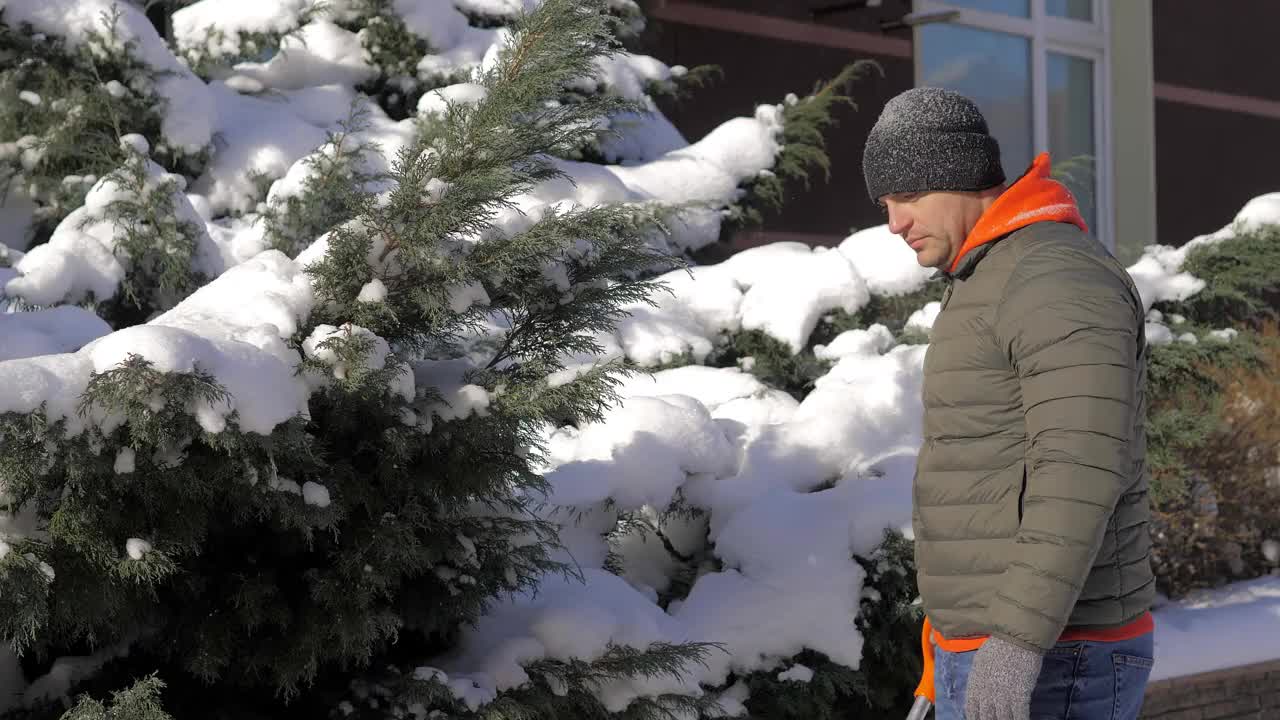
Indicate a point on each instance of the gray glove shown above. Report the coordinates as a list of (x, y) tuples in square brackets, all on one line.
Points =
[(1001, 681)]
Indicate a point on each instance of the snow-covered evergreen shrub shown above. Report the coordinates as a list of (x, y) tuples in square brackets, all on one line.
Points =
[(68, 94), (321, 450), (1214, 358)]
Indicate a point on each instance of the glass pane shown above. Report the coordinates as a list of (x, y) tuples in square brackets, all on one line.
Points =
[(1070, 9), (994, 70), (1072, 143), (1016, 8)]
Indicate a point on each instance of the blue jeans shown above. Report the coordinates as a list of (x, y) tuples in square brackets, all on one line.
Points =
[(1080, 680)]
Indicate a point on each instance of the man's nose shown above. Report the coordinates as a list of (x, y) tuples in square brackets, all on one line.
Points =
[(899, 221)]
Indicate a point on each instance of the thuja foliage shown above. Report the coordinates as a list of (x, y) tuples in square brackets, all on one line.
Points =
[(193, 549), (1241, 292), (63, 110), (157, 245), (337, 177), (556, 689), (395, 51), (216, 51), (1242, 280), (803, 142), (139, 702), (1206, 445)]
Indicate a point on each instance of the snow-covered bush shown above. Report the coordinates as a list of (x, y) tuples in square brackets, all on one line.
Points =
[(76, 77), (311, 435), (1213, 439), (364, 434), (807, 362)]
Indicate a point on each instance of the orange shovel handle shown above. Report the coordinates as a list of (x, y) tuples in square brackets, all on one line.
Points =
[(925, 688)]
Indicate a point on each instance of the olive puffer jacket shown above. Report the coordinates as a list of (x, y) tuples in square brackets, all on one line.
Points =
[(1030, 504)]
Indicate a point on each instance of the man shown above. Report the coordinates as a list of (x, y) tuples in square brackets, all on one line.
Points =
[(1030, 502)]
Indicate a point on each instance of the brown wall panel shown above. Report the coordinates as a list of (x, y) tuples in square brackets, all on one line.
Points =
[(1228, 45), (1209, 163), (763, 70)]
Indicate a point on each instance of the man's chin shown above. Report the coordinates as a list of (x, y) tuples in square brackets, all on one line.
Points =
[(927, 260)]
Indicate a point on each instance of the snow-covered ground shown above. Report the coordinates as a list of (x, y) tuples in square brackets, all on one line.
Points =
[(1217, 629), (788, 490)]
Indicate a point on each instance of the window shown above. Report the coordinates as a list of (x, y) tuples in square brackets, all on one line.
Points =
[(1037, 69)]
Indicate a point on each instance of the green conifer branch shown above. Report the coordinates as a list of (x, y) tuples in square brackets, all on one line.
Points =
[(803, 142)]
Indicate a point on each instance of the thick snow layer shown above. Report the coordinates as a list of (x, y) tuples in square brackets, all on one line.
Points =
[(47, 332), (791, 491), (438, 100), (233, 328), (711, 169), (636, 138), (642, 453), (791, 286), (713, 387), (1158, 273), (1218, 629), (81, 257), (320, 53), (875, 339), (889, 266), (137, 548), (566, 618), (315, 494), (191, 24), (923, 318), (257, 135), (497, 8), (1159, 276), (699, 305), (65, 673), (189, 111), (275, 136), (705, 175), (782, 289), (437, 21), (625, 74)]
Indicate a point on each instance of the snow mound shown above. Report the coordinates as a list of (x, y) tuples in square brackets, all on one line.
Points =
[(790, 493), (234, 328), (56, 330), (83, 258)]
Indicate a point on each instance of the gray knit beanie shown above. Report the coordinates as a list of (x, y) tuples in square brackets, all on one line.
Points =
[(930, 139)]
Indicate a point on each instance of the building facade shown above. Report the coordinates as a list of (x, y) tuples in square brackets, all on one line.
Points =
[(1159, 114)]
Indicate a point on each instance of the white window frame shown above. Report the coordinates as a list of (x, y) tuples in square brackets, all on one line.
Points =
[(1089, 40)]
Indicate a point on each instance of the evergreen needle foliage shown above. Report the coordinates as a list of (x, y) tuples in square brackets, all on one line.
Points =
[(193, 550), (336, 183), (140, 702), (158, 246), (1242, 280), (217, 51), (803, 143), (54, 150)]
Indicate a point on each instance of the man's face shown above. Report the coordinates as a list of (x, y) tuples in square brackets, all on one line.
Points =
[(933, 224)]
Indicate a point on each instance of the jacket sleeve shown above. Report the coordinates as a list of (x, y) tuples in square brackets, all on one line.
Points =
[(1070, 327)]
